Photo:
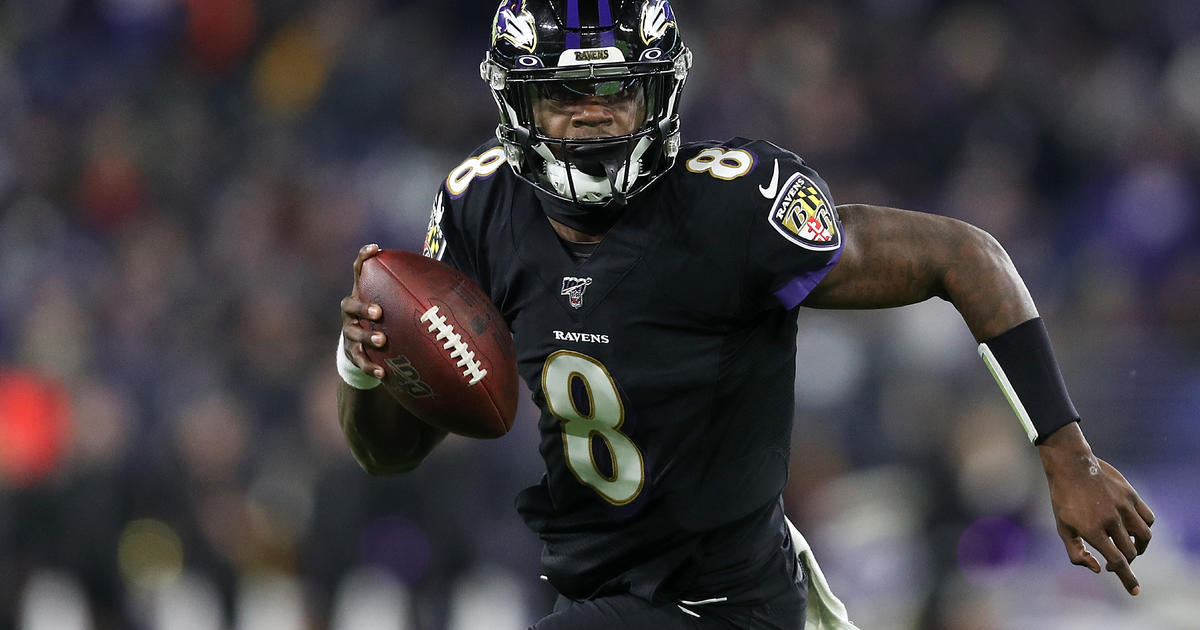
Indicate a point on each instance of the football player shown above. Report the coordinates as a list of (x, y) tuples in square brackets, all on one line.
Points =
[(652, 290)]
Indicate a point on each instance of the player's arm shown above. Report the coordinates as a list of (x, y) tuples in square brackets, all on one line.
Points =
[(895, 257), (385, 438)]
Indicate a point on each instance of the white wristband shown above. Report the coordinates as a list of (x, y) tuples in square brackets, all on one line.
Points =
[(353, 375)]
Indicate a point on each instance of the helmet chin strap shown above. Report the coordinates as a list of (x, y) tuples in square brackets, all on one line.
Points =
[(596, 177), (608, 161), (595, 173)]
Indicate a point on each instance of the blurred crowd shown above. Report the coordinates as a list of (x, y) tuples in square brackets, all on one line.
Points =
[(184, 185)]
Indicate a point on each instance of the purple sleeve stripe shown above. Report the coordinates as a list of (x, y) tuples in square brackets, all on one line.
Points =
[(793, 293)]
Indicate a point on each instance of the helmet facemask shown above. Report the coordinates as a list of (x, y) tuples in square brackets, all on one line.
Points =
[(592, 169), (592, 172)]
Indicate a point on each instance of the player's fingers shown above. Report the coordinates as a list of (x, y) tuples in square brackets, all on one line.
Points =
[(1143, 510), (354, 308), (357, 334), (1116, 562), (360, 359), (1120, 537), (364, 252), (1137, 519), (1141, 537), (1138, 529), (1078, 554)]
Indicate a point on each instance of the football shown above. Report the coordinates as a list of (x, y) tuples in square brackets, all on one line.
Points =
[(449, 356)]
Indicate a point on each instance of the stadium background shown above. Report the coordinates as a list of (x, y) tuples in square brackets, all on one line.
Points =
[(184, 183)]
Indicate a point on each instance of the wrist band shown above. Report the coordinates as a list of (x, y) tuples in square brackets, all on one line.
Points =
[(353, 375), (1023, 364)]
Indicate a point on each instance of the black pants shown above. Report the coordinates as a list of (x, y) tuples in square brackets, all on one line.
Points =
[(629, 612)]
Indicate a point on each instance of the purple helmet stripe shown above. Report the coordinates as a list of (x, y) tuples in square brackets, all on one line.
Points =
[(572, 13), (589, 13), (572, 23), (606, 36)]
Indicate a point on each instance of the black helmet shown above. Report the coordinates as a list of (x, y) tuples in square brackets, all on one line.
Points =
[(591, 47)]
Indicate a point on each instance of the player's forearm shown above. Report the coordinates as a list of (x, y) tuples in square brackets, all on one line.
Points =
[(987, 290), (894, 257), (383, 436)]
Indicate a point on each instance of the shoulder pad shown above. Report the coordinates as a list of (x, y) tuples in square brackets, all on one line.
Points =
[(738, 169), (759, 176), (483, 163), (762, 150)]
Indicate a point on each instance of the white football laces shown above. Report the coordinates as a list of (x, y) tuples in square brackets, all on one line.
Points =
[(445, 332)]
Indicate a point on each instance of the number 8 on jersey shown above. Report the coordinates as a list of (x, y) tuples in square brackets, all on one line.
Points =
[(602, 418)]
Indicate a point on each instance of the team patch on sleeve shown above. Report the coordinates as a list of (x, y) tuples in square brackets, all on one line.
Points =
[(804, 216), (435, 238)]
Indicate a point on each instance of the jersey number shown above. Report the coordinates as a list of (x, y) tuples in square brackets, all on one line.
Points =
[(722, 164), (565, 372), (480, 165)]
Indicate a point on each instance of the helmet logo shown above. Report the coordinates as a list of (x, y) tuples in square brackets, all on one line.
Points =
[(593, 54), (657, 17), (517, 26), (584, 56)]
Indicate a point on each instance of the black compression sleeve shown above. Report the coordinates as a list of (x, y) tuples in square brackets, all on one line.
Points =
[(1023, 364)]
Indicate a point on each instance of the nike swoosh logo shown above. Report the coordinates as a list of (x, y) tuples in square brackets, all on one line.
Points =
[(769, 191)]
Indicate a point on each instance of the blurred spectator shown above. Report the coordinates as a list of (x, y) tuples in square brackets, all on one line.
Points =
[(184, 183)]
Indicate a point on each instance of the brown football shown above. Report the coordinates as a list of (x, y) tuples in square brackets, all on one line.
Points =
[(449, 357)]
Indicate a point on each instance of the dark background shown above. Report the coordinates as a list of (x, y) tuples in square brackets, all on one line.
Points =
[(184, 185)]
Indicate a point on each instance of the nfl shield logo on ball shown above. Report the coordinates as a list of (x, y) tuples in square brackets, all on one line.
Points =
[(406, 379), (573, 288)]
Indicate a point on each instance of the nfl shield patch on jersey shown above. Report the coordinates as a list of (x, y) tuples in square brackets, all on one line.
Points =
[(803, 215), (573, 288)]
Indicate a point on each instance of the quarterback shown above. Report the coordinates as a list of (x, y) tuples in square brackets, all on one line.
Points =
[(652, 289)]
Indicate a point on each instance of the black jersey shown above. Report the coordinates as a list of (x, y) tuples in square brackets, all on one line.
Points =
[(664, 363)]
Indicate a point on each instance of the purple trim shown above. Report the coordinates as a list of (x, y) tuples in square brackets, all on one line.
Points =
[(607, 38), (798, 288), (753, 159), (572, 22)]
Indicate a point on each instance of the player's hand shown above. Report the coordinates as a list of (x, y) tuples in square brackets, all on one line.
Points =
[(354, 311), (1094, 503)]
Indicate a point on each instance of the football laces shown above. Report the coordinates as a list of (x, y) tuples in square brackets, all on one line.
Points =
[(472, 368)]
